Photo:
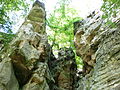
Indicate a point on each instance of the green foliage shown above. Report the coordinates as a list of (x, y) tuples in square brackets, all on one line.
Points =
[(7, 6), (60, 31), (111, 11), (5, 38), (61, 25)]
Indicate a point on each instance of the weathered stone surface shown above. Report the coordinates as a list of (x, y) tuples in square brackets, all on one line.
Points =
[(86, 40), (38, 79), (99, 48), (33, 45), (27, 55), (7, 76), (64, 70), (28, 62)]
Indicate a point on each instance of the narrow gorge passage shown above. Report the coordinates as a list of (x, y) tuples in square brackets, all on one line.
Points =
[(28, 62)]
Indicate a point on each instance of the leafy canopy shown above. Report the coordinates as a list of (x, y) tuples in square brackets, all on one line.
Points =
[(5, 7), (111, 9), (60, 22)]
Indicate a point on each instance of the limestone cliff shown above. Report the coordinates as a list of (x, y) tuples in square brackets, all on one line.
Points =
[(99, 47), (28, 62)]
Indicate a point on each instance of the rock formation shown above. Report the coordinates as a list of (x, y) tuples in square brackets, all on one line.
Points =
[(64, 70), (27, 54), (98, 46), (28, 63)]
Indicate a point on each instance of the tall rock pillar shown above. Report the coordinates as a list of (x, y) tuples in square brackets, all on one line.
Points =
[(25, 66)]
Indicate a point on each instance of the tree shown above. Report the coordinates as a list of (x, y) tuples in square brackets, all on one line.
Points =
[(111, 10), (7, 6), (60, 22)]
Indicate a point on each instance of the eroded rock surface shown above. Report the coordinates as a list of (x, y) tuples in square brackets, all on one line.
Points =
[(64, 70), (87, 34), (27, 55), (28, 63), (98, 46), (7, 75)]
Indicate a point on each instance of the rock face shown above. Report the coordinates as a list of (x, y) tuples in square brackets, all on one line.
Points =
[(7, 75), (31, 52), (64, 70), (66, 77), (27, 55), (99, 48), (28, 63)]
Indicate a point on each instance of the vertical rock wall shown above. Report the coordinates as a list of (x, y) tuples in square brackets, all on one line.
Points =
[(64, 70), (99, 47)]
